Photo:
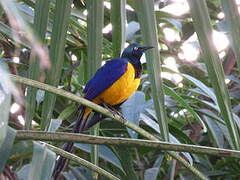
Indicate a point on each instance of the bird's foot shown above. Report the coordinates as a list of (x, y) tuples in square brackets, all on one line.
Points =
[(113, 110)]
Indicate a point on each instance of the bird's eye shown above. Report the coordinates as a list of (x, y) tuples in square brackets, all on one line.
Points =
[(135, 48)]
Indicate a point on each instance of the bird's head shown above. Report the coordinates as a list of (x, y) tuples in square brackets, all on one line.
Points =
[(134, 52)]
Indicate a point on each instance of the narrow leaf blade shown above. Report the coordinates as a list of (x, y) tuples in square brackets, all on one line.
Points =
[(146, 15), (60, 25), (40, 27), (6, 148), (118, 20), (43, 162), (202, 24)]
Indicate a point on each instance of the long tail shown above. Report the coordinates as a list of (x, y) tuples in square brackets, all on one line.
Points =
[(79, 127)]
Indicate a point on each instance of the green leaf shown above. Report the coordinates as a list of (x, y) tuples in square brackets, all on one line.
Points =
[(42, 164), (127, 163), (173, 139), (146, 16), (60, 25), (82, 162), (211, 114), (226, 133), (208, 91), (94, 53), (22, 148), (5, 102), (40, 27), (6, 88), (80, 172), (180, 100), (215, 131), (40, 96), (176, 23), (22, 174), (171, 169), (54, 125), (152, 173), (152, 124), (132, 108), (180, 134), (118, 20), (203, 28), (163, 14), (104, 152), (6, 148), (94, 28), (232, 19), (201, 101), (69, 110)]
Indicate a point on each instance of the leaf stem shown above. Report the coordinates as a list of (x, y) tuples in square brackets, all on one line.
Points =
[(83, 138)]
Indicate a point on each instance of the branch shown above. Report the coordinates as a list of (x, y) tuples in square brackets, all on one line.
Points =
[(81, 161), (73, 137), (106, 112)]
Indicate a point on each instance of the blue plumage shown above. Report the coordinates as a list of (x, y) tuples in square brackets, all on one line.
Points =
[(101, 81), (105, 77)]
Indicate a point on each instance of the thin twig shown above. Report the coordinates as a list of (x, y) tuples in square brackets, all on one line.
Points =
[(83, 138)]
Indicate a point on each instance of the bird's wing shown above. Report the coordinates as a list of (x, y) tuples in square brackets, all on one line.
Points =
[(105, 77)]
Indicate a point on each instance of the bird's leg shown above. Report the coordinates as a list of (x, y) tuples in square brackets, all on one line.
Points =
[(97, 117), (112, 109)]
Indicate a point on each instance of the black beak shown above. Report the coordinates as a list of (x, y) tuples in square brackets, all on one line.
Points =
[(144, 48)]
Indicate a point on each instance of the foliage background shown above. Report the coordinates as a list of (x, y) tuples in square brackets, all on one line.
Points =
[(76, 44)]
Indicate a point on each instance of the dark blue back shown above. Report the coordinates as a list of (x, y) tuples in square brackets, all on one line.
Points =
[(105, 77)]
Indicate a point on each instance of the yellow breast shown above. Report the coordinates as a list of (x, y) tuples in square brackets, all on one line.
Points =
[(122, 89), (119, 91)]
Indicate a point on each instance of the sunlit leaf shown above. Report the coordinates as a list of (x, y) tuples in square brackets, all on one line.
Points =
[(54, 125), (6, 87), (6, 148), (118, 20), (152, 173), (42, 164), (203, 28), (180, 100), (232, 19), (151, 123), (215, 131), (208, 91), (147, 19), (40, 27), (132, 108), (104, 152), (59, 32), (95, 40), (126, 162), (67, 112)]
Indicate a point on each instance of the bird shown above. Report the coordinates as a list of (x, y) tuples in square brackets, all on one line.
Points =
[(112, 85)]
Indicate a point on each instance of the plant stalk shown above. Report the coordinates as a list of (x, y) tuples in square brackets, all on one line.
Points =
[(89, 139)]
